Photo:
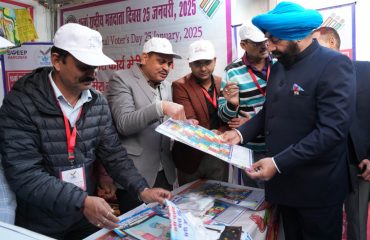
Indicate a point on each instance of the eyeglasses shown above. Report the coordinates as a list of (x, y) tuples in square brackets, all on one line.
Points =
[(202, 63), (256, 44)]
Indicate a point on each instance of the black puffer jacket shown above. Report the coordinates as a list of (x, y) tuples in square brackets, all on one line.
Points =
[(34, 149)]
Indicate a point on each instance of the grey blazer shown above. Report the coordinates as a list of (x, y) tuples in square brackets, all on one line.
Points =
[(133, 105)]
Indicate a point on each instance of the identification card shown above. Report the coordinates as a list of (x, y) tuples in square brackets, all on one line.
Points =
[(75, 176)]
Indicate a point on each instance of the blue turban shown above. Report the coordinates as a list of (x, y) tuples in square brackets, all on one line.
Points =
[(288, 21)]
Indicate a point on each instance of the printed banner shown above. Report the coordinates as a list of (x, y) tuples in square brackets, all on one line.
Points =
[(126, 25), (22, 60)]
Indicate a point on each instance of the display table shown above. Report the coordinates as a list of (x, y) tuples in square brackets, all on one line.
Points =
[(260, 224)]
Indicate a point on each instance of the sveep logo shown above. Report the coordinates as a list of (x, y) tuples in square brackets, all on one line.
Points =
[(44, 57)]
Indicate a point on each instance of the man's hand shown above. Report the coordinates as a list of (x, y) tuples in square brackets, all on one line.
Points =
[(218, 132), (230, 137), (365, 167), (99, 213), (231, 93), (109, 189), (192, 121), (173, 110), (154, 195), (264, 169), (238, 121)]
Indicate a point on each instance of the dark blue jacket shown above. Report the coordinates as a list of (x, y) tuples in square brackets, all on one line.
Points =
[(360, 127), (306, 132), (34, 149)]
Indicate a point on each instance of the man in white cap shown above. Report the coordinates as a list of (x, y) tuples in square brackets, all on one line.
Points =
[(139, 99), (53, 127), (243, 88), (198, 92)]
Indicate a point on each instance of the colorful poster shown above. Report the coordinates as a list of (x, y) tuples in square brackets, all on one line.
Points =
[(10, 26), (207, 141), (126, 25), (26, 29), (2, 29), (342, 19), (22, 60)]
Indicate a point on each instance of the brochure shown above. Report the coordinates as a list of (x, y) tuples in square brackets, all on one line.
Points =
[(240, 196), (207, 141)]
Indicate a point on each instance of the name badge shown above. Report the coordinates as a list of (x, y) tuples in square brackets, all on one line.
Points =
[(75, 176)]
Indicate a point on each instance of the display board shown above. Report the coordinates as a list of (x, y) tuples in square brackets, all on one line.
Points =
[(126, 25), (21, 60), (342, 18)]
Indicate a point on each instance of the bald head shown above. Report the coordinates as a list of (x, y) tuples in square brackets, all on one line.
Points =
[(327, 37)]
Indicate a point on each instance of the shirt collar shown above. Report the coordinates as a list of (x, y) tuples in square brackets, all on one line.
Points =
[(85, 95), (264, 69), (200, 83)]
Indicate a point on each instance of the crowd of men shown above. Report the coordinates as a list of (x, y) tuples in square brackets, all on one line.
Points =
[(298, 104)]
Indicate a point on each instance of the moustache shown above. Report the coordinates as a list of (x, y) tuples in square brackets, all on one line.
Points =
[(87, 79), (164, 73)]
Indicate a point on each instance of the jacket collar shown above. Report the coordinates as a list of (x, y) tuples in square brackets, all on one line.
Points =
[(36, 86), (142, 81)]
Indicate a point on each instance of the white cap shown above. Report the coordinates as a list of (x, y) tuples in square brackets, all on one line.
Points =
[(4, 43), (159, 45), (83, 43), (201, 50), (251, 32)]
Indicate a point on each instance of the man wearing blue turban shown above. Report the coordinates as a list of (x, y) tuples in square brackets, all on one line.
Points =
[(306, 117)]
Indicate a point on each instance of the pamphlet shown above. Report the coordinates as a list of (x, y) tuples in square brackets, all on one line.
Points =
[(240, 196)]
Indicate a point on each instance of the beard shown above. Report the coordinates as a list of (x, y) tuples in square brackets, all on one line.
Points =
[(289, 56)]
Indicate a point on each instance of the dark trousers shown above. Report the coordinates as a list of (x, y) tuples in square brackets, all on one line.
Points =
[(323, 223), (128, 202), (356, 206)]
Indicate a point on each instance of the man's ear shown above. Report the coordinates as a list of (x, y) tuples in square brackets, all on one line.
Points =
[(56, 61), (242, 45), (332, 42), (144, 58)]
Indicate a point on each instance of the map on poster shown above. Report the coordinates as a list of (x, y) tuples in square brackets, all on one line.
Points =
[(207, 141)]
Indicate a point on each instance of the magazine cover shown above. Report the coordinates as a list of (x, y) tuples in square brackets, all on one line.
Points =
[(240, 196), (153, 228)]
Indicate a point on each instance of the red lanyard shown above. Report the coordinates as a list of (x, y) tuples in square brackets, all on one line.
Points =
[(212, 101), (71, 136), (253, 76)]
